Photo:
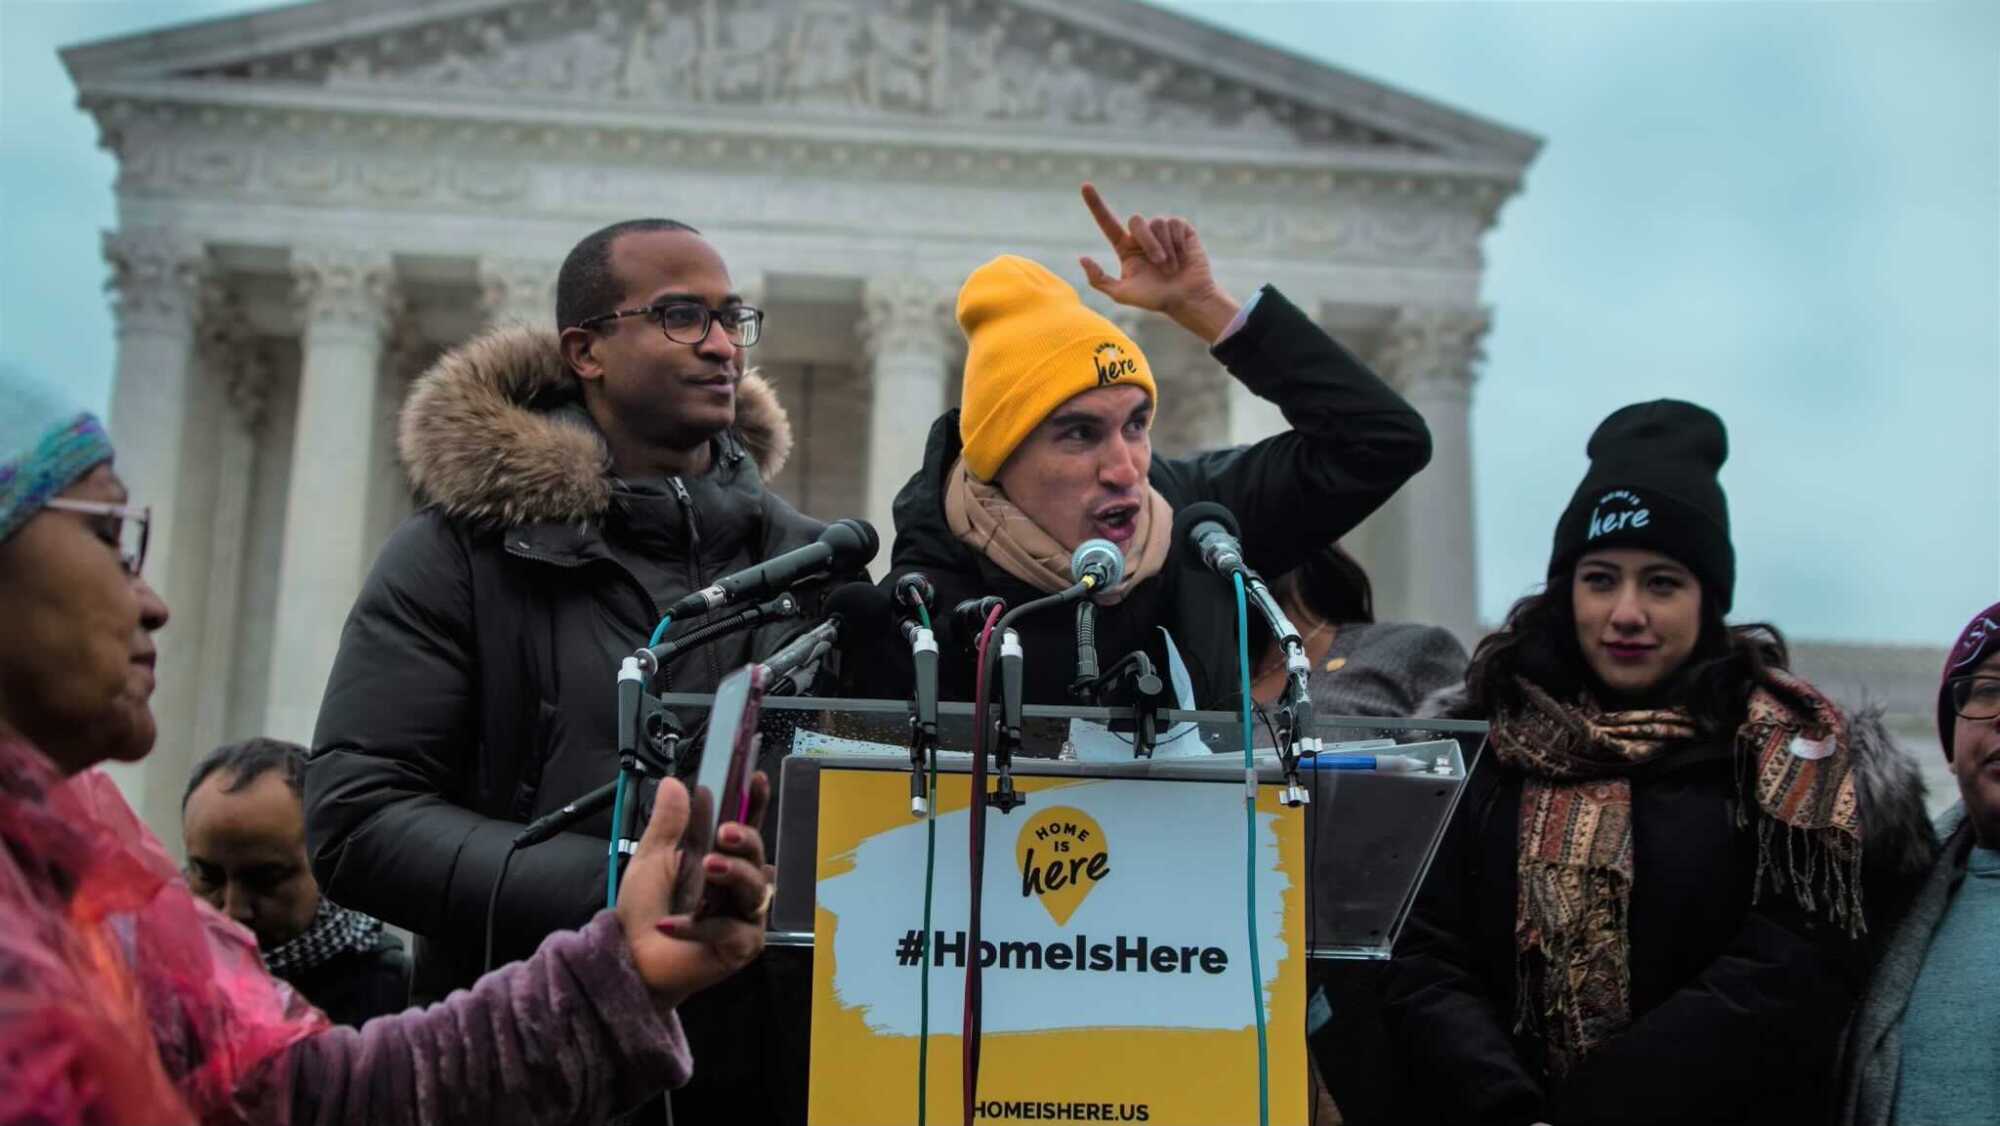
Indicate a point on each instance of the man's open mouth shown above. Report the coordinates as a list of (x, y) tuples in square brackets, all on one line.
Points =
[(1117, 521)]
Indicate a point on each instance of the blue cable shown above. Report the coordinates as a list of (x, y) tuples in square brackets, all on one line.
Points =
[(617, 819), (660, 631), (1250, 858)]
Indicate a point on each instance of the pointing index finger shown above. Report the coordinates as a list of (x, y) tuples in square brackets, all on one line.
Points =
[(1114, 231)]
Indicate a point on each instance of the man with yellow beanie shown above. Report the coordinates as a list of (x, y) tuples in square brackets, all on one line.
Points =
[(1050, 447)]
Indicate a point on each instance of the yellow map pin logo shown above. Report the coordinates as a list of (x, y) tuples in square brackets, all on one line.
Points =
[(1063, 855)]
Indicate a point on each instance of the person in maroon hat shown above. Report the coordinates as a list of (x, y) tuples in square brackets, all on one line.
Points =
[(1922, 1046)]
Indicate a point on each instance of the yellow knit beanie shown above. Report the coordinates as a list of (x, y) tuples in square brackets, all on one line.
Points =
[(1031, 345)]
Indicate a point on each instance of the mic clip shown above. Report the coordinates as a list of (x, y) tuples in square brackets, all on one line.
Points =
[(1135, 678), (1004, 797), (1294, 724)]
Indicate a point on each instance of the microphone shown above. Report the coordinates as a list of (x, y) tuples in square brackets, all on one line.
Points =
[(857, 606), (844, 544), (1098, 565), (549, 824), (914, 591), (1212, 531), (1012, 668), (652, 660), (969, 617)]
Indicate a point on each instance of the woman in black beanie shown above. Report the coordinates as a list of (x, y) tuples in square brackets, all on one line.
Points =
[(1650, 902)]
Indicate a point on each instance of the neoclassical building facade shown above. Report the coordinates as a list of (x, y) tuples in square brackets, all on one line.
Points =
[(313, 201)]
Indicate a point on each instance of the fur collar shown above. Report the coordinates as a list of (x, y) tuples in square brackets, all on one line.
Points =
[(481, 434)]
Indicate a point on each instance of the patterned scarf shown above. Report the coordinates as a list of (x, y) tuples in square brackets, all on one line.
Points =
[(982, 517), (1575, 839), (333, 931)]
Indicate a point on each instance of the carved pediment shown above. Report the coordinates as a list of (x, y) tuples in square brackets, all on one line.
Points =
[(952, 63)]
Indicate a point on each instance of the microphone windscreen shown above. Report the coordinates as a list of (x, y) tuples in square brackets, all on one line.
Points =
[(1201, 512), (863, 608), (1098, 553), (854, 540), (913, 589)]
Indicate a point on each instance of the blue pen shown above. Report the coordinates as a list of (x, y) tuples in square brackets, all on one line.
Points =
[(1387, 764)]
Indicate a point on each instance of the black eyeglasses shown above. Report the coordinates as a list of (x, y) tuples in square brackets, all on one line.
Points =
[(1976, 697), (128, 531), (687, 322)]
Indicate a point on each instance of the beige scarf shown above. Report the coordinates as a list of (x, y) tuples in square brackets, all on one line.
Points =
[(984, 519)]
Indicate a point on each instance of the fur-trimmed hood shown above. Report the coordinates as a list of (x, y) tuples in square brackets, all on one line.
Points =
[(483, 433)]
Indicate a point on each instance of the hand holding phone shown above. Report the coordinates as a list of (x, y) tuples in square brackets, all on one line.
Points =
[(726, 766)]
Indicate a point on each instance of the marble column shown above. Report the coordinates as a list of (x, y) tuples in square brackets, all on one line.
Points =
[(905, 330), (346, 302), (244, 369), (159, 281), (518, 291), (1429, 354)]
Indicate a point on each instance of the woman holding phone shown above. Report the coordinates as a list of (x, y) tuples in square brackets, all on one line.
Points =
[(126, 999)]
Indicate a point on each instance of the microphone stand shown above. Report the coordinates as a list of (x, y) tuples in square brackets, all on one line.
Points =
[(654, 659), (1137, 670), (1012, 662), (1012, 665), (924, 716), (649, 738), (1295, 708), (649, 745), (1085, 686)]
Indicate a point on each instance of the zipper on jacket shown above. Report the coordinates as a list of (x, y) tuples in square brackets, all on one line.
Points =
[(695, 581)]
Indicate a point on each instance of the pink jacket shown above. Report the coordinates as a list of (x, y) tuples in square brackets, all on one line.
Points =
[(124, 999)]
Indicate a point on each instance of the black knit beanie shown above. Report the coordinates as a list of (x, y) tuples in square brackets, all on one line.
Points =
[(1652, 484)]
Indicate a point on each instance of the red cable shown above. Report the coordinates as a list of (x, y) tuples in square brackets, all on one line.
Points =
[(969, 1027)]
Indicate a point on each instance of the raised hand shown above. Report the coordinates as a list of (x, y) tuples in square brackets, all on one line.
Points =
[(678, 955), (1161, 266)]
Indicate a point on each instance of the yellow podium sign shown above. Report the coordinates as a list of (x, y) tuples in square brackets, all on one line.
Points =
[(1115, 950)]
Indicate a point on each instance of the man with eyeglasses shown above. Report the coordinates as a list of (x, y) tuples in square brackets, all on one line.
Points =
[(575, 481), (1921, 1048)]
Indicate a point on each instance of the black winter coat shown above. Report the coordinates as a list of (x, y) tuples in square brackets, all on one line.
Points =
[(1737, 1007), (475, 683), (1353, 443), (356, 986)]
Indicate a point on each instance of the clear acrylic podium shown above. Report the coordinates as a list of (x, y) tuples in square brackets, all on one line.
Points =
[(1370, 832), (1176, 923)]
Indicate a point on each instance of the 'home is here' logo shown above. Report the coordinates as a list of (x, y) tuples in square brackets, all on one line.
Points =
[(1112, 363), (1063, 855), (1618, 509)]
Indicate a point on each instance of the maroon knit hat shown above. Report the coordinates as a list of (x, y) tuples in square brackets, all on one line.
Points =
[(1980, 640)]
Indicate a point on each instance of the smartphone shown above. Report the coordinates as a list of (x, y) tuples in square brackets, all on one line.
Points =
[(728, 751)]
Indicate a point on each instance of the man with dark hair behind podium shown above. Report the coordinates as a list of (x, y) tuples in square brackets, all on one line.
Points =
[(576, 480), (1051, 447)]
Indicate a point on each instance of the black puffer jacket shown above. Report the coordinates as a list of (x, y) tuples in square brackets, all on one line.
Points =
[(1354, 442), (474, 687), (1737, 1007)]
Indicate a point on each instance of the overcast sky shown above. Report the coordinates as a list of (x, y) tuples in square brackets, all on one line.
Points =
[(1787, 212)]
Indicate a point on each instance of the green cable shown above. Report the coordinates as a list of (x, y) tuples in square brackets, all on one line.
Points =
[(611, 875), (611, 865), (924, 972), (1250, 859)]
